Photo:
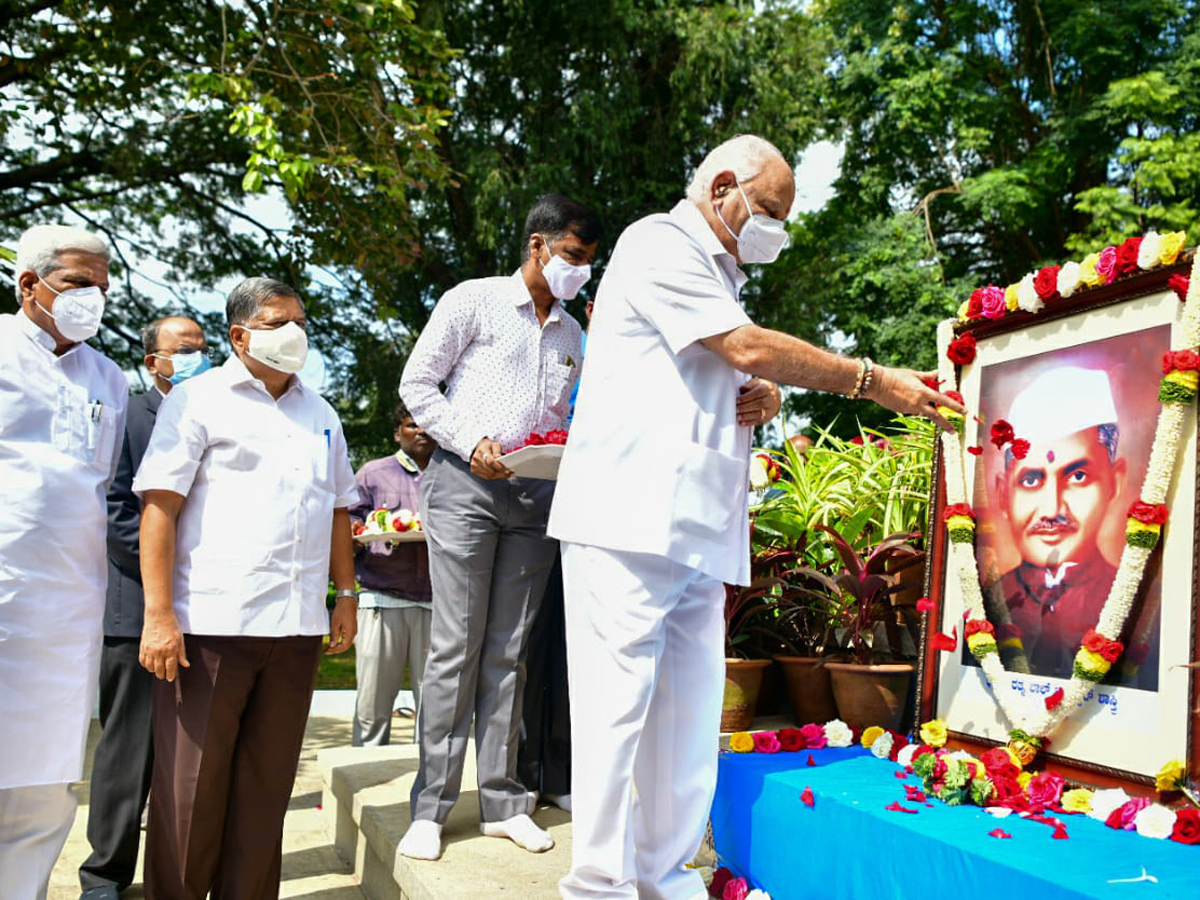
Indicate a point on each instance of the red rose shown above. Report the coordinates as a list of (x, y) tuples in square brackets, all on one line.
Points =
[(955, 395), (1002, 433), (1045, 788), (534, 440), (1149, 513), (962, 350), (791, 739), (1007, 788), (1180, 359), (931, 382), (1112, 650), (994, 305), (1187, 826), (557, 436), (999, 765), (975, 304), (1046, 282), (1127, 255), (721, 877), (978, 626), (1179, 284), (1093, 641), (958, 509), (814, 735), (1020, 447)]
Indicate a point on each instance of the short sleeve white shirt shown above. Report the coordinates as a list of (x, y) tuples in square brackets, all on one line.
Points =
[(506, 373), (656, 462), (261, 478)]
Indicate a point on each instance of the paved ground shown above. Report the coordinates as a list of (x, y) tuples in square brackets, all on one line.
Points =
[(311, 868)]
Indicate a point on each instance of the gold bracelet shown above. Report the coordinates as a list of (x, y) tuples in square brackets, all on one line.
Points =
[(856, 391), (867, 378)]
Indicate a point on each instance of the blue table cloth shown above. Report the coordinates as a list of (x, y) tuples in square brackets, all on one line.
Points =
[(849, 845)]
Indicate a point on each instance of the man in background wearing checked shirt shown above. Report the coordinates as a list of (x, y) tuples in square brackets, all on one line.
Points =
[(509, 355)]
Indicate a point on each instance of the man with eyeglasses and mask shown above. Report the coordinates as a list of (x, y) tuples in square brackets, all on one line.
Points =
[(509, 355), (245, 490), (175, 350), (651, 508), (62, 412)]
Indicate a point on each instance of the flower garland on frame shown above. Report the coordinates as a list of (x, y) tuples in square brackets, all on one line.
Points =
[(1099, 648)]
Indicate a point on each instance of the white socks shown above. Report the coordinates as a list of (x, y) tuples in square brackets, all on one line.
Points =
[(519, 829), (562, 801), (423, 840)]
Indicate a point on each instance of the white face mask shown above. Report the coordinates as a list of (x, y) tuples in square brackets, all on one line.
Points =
[(77, 311), (284, 348), (762, 238), (564, 279)]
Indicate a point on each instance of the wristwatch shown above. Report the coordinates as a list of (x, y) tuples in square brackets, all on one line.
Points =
[(343, 593)]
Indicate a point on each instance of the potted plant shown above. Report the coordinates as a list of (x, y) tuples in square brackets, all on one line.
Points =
[(872, 688), (744, 663)]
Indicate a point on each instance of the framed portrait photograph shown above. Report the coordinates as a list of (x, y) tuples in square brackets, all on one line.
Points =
[(1064, 405)]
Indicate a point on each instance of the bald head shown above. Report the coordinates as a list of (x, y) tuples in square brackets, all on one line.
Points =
[(162, 339)]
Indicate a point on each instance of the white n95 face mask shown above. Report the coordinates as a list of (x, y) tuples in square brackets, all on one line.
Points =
[(564, 279), (284, 348), (77, 311), (762, 238)]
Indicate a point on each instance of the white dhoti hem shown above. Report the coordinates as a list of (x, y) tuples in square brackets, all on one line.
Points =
[(34, 822), (645, 639)]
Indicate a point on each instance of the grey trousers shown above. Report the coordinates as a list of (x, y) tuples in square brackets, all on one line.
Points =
[(387, 639), (489, 559)]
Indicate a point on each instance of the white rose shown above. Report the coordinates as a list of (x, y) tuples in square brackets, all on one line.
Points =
[(760, 479), (905, 756), (1104, 802), (1150, 250), (756, 894), (882, 748), (1155, 821), (1027, 295), (838, 733), (1068, 279)]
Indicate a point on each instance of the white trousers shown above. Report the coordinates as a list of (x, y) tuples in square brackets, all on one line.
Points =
[(34, 822), (645, 657), (387, 639)]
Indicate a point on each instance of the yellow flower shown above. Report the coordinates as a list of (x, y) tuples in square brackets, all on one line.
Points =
[(962, 310), (960, 522), (1172, 243), (1093, 662), (1015, 757), (871, 735), (1087, 270), (1188, 378), (933, 733), (1171, 776), (1010, 297), (1023, 780), (980, 639), (1077, 800), (1133, 526), (741, 742)]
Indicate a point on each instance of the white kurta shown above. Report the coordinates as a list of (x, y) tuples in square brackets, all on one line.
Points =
[(657, 462), (61, 422)]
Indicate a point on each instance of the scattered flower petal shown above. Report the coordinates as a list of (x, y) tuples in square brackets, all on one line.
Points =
[(807, 798), (999, 833)]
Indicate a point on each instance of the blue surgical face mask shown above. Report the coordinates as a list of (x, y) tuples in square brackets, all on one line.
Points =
[(187, 365)]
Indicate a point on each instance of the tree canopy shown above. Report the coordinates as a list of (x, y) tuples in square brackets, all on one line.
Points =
[(405, 140)]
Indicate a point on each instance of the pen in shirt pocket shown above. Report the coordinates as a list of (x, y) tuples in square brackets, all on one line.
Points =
[(328, 439)]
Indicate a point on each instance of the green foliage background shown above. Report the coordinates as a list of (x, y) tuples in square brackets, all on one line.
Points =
[(406, 140)]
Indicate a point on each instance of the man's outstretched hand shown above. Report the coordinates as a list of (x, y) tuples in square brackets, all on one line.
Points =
[(906, 391)]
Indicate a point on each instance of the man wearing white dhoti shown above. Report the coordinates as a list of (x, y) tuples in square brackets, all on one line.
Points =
[(62, 414), (651, 508)]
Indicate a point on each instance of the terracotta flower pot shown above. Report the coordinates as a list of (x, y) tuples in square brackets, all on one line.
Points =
[(809, 687), (870, 695), (743, 678)]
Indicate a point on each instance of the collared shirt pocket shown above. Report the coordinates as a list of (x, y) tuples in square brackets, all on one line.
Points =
[(84, 429), (558, 385), (321, 445)]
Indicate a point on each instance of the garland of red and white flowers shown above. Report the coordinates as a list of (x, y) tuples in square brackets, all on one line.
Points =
[(1100, 648)]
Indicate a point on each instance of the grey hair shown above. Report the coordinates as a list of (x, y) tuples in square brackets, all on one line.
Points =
[(1107, 435), (247, 298), (745, 155), (39, 249), (150, 334)]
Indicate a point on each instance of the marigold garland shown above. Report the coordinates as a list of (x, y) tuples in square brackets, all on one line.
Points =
[(1181, 367)]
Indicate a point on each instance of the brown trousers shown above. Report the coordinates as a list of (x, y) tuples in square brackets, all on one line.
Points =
[(227, 739)]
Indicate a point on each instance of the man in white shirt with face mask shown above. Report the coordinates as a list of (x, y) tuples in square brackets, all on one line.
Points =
[(509, 356), (245, 491), (652, 512), (62, 413)]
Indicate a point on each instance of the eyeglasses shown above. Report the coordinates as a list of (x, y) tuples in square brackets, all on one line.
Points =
[(202, 351)]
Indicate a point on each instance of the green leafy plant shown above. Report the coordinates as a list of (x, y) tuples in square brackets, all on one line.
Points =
[(865, 590)]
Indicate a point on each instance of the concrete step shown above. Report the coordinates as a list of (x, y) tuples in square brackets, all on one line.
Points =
[(365, 802)]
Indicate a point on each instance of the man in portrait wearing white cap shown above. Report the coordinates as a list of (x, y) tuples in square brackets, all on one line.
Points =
[(1055, 500)]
